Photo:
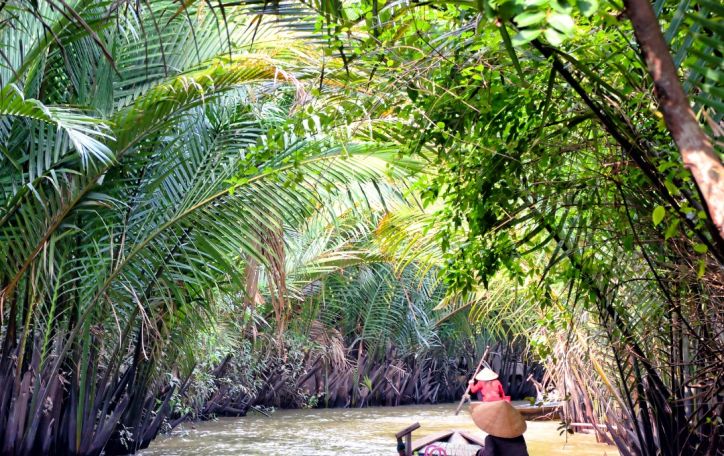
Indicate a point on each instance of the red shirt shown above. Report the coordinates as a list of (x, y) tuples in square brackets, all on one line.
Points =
[(491, 390)]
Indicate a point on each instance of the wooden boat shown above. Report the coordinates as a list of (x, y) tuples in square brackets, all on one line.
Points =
[(453, 442), (448, 443), (544, 411)]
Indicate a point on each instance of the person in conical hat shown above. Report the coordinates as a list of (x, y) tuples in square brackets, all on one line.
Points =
[(505, 427), (487, 386)]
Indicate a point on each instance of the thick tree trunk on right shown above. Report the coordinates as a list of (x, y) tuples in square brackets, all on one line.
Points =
[(695, 147)]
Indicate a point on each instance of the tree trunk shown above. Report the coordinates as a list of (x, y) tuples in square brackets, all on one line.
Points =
[(695, 147)]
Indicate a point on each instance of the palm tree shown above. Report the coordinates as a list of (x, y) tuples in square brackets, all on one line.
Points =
[(144, 153)]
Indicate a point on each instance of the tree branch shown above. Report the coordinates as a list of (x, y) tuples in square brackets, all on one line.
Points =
[(695, 147)]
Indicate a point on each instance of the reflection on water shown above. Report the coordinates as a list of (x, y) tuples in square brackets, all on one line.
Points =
[(327, 432)]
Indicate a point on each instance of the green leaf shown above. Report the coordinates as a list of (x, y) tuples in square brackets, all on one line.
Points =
[(562, 22), (658, 215), (511, 51), (701, 248), (628, 242), (553, 37), (672, 229), (562, 6), (529, 18), (702, 269), (587, 7), (525, 36), (672, 188)]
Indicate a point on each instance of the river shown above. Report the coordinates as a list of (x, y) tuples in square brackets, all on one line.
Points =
[(327, 432)]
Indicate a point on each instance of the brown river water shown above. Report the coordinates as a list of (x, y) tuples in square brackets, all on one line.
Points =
[(328, 432)]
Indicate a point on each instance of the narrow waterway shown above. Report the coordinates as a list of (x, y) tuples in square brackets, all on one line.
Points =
[(327, 432)]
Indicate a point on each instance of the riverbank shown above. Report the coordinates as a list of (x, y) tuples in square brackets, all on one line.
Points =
[(330, 432)]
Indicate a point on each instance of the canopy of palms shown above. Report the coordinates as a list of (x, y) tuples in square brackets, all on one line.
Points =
[(371, 177)]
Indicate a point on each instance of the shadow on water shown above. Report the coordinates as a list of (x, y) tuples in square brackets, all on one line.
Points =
[(327, 432)]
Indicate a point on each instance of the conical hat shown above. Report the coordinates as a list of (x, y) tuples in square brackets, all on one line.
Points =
[(485, 375), (498, 418)]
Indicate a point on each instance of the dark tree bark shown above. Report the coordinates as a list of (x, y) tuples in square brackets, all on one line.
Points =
[(695, 147)]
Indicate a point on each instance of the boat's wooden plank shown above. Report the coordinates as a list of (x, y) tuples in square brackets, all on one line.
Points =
[(436, 437), (407, 430), (472, 438), (546, 407), (536, 410), (443, 436)]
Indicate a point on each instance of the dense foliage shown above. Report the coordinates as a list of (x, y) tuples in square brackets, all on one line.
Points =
[(229, 203)]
